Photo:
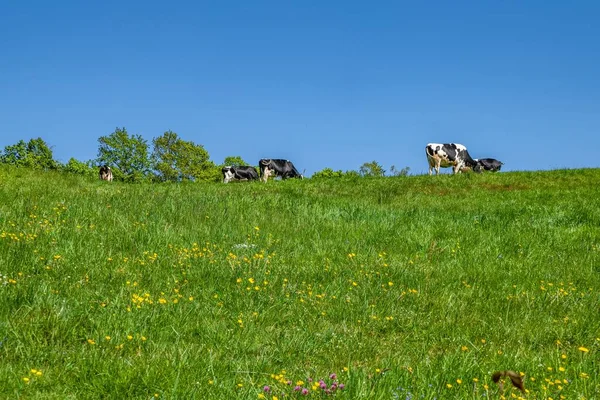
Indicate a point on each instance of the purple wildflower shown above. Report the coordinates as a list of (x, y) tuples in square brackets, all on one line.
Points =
[(267, 389)]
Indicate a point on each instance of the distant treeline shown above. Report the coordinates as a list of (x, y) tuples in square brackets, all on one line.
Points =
[(172, 159)]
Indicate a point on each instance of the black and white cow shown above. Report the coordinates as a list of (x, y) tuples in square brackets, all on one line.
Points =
[(450, 155), (489, 164), (105, 173), (277, 167), (239, 173)]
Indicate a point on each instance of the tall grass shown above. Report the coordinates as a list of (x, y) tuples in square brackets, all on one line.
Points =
[(407, 287)]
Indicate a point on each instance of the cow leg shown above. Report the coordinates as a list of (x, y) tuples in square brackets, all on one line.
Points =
[(266, 174)]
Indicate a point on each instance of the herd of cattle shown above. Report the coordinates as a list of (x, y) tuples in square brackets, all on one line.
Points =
[(438, 156)]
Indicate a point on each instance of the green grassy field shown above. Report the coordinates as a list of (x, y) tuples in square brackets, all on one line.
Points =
[(412, 287)]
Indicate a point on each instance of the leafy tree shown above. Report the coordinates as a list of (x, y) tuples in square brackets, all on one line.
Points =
[(211, 173), (371, 169), (328, 173), (33, 154), (176, 160), (80, 168), (127, 155), (402, 172), (234, 160), (15, 154)]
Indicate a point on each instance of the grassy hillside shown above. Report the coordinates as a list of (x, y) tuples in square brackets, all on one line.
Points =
[(402, 287)]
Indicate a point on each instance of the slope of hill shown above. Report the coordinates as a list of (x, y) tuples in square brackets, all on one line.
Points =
[(383, 288)]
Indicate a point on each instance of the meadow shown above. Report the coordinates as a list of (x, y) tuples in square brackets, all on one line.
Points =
[(411, 287)]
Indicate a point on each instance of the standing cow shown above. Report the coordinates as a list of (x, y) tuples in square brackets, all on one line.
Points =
[(105, 173), (277, 167), (489, 164), (239, 173), (450, 155)]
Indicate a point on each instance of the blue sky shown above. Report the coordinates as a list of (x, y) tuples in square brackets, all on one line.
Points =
[(324, 84)]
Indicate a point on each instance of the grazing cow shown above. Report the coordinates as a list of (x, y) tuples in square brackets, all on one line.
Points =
[(283, 168), (450, 155), (105, 173), (489, 164), (241, 173)]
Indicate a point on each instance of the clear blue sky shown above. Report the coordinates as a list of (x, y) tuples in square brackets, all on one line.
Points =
[(322, 83)]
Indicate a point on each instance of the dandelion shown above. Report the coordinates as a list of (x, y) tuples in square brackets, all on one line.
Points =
[(211, 382), (25, 379), (459, 381), (449, 385), (583, 349), (129, 337), (107, 338), (91, 341)]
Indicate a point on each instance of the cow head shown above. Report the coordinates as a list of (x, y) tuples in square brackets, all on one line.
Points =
[(227, 174), (105, 173)]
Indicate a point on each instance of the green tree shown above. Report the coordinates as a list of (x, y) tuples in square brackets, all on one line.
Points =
[(33, 154), (402, 172), (371, 169), (127, 155), (176, 160), (15, 154), (328, 173), (234, 160), (80, 168)]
